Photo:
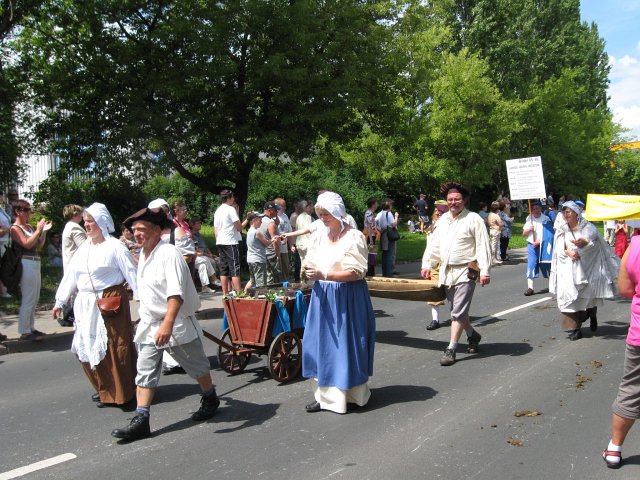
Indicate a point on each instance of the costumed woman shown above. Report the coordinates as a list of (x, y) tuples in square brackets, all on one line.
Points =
[(583, 271), (339, 337), (99, 269)]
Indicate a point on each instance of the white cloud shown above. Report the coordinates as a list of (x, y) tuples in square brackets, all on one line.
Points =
[(625, 92)]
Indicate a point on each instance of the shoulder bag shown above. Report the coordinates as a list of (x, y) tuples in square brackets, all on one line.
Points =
[(392, 232)]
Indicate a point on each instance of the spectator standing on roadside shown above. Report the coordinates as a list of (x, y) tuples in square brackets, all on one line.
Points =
[(610, 232), (423, 215), (29, 240), (287, 244), (505, 235), (495, 230), (269, 229), (386, 219), (257, 251), (227, 228), (73, 235), (5, 227), (54, 250), (371, 232)]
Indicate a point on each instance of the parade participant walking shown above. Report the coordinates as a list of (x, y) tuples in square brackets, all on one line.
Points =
[(339, 337), (621, 238), (626, 407), (583, 271), (460, 246), (29, 240), (385, 220), (439, 210), (539, 231), (168, 302), (105, 348), (227, 228)]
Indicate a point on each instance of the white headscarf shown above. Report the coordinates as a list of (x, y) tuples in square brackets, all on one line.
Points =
[(332, 203), (102, 217), (157, 203), (571, 205)]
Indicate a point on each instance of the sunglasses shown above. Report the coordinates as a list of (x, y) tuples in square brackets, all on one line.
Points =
[(23, 209)]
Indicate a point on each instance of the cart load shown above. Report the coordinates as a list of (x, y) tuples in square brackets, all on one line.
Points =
[(418, 290)]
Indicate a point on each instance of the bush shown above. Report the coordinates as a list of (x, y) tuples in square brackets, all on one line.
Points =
[(301, 181), (176, 188), (118, 192)]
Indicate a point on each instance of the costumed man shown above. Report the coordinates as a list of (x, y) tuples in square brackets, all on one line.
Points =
[(539, 231), (168, 302), (460, 246)]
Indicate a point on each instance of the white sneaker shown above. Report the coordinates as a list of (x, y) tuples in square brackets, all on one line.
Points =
[(6, 295), (207, 290), (217, 283)]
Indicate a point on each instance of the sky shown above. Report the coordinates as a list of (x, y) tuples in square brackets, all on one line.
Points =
[(618, 24)]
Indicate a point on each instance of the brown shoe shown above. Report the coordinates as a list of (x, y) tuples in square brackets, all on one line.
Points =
[(529, 292), (449, 357)]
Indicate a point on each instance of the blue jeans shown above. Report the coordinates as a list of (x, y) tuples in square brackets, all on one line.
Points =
[(388, 260)]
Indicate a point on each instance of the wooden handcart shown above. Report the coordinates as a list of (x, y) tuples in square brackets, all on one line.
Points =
[(252, 323)]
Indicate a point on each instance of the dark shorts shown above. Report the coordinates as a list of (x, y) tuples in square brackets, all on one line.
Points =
[(229, 260)]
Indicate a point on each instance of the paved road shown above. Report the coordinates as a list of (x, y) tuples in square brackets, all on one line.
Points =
[(423, 421)]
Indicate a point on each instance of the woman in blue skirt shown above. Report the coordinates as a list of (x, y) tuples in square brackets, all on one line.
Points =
[(339, 336)]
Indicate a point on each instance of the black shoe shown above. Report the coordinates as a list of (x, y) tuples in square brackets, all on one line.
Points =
[(138, 428), (449, 357), (100, 404), (64, 323), (208, 406), (529, 292), (593, 323), (313, 407), (473, 340), (95, 397), (434, 325), (575, 334), (177, 369)]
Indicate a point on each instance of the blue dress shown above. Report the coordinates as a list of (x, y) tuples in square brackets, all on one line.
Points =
[(339, 337)]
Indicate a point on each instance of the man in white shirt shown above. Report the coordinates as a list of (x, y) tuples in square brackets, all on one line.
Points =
[(460, 245), (168, 302), (287, 245), (227, 228)]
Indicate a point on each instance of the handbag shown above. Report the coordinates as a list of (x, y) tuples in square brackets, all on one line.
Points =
[(108, 306), (392, 233)]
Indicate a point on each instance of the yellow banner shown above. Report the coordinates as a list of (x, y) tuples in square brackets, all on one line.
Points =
[(612, 207)]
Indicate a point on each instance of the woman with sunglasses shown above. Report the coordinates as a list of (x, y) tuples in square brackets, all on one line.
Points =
[(29, 240)]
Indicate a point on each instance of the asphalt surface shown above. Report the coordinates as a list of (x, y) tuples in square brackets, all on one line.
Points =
[(423, 420)]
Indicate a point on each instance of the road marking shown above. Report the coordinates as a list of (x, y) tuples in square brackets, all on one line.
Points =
[(511, 310), (50, 462)]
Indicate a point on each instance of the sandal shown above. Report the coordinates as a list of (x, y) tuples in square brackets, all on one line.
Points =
[(31, 336), (608, 453)]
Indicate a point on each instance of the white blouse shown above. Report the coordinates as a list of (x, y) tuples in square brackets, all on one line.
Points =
[(106, 264), (349, 253)]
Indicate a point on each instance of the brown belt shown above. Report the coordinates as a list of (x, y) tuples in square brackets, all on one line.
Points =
[(31, 257)]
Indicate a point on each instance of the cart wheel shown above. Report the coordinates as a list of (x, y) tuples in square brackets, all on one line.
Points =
[(285, 357), (230, 362)]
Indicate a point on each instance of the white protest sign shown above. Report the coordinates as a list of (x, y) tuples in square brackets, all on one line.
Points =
[(526, 179)]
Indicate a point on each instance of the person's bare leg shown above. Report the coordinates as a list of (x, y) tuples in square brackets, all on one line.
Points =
[(144, 396), (620, 427), (235, 282)]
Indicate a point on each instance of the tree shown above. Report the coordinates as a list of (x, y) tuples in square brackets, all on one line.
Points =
[(202, 87), (12, 12)]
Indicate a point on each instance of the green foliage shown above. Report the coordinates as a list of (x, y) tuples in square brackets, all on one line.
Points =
[(120, 195), (176, 188), (294, 182)]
